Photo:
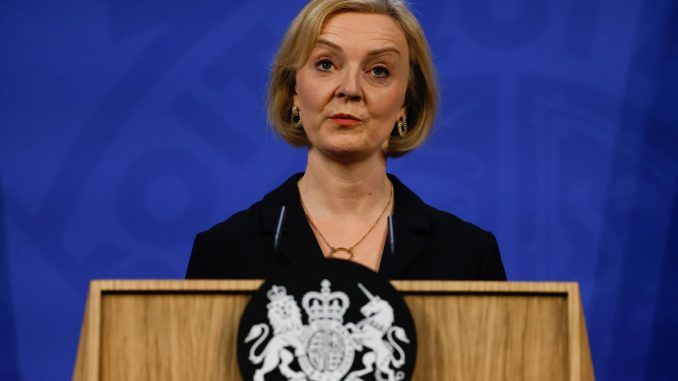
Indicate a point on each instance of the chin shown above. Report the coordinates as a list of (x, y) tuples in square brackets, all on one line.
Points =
[(348, 148), (349, 154)]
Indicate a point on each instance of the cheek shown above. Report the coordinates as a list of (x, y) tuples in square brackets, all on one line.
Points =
[(310, 93), (388, 103)]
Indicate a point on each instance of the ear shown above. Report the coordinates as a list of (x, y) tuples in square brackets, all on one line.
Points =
[(295, 93)]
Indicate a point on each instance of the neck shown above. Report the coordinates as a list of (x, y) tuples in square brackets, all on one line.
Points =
[(344, 188)]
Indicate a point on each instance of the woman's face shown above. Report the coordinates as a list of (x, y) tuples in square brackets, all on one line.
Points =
[(351, 91)]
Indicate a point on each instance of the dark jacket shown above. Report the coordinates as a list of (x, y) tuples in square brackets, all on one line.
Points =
[(429, 243)]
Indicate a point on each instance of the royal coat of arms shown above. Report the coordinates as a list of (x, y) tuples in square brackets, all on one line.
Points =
[(326, 348)]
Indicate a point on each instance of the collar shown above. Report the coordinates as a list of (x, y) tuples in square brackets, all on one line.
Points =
[(298, 244)]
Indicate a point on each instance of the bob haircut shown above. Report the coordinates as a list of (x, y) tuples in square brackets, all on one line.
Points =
[(421, 98)]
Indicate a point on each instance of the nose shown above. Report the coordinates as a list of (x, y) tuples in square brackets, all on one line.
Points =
[(349, 86)]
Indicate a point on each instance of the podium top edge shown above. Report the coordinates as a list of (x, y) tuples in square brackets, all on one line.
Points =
[(405, 286)]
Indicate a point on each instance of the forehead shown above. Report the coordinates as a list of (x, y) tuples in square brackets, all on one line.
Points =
[(352, 29)]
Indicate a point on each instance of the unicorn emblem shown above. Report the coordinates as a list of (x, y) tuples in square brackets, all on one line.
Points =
[(370, 331)]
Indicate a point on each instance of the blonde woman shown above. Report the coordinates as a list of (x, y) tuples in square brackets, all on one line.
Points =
[(353, 81)]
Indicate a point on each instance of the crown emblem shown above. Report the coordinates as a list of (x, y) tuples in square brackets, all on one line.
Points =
[(325, 305), (277, 292), (278, 296)]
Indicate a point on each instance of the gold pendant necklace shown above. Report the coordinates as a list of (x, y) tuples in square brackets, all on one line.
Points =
[(349, 250)]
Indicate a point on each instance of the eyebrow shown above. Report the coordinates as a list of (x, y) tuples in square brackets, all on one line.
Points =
[(372, 53)]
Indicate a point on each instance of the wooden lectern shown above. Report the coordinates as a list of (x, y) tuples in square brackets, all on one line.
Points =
[(187, 330)]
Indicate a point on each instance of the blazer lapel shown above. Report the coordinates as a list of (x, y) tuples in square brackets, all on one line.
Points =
[(296, 243), (410, 225)]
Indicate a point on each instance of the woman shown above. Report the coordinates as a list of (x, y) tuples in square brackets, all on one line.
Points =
[(354, 82)]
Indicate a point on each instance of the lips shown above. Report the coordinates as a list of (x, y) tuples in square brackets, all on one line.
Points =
[(345, 119)]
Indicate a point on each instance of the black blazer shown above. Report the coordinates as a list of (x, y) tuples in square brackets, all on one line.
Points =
[(429, 243)]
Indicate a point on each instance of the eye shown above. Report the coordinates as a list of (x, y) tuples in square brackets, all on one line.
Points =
[(324, 64), (380, 71)]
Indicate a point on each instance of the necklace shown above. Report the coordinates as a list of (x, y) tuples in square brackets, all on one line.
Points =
[(349, 250)]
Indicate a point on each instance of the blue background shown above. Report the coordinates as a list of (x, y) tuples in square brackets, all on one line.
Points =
[(128, 126)]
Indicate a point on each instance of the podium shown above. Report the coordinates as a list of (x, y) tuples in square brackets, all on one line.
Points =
[(187, 330)]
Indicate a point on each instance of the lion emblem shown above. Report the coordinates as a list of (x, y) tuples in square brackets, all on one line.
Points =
[(284, 316)]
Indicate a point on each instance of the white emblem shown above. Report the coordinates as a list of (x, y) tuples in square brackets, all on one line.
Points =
[(326, 348)]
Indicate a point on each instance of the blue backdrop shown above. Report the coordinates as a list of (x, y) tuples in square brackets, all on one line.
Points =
[(123, 125)]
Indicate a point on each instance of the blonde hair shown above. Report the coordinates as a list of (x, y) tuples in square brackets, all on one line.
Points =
[(421, 98)]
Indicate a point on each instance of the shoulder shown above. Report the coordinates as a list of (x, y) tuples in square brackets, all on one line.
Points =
[(455, 248), (467, 246), (217, 252), (451, 227), (228, 248), (471, 245), (422, 216), (259, 217), (237, 225)]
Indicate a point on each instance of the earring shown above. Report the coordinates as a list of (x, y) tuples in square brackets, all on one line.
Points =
[(402, 125), (296, 117)]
